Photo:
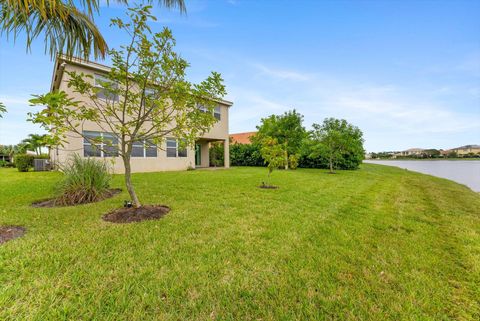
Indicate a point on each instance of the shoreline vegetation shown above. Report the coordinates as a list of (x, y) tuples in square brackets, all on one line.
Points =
[(424, 159), (363, 244)]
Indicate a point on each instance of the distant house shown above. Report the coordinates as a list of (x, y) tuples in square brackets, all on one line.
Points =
[(242, 138), (467, 149), (4, 157), (445, 153), (411, 152)]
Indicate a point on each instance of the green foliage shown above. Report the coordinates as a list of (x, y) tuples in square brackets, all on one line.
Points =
[(383, 155), (143, 94), (250, 155), (85, 180), (337, 140), (24, 162), (246, 155), (272, 153), (293, 161), (216, 154), (66, 26), (35, 142), (3, 109), (287, 129)]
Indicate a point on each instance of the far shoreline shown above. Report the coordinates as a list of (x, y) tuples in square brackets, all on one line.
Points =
[(421, 159)]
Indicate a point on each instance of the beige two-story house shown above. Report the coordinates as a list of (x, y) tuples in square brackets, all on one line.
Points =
[(146, 157)]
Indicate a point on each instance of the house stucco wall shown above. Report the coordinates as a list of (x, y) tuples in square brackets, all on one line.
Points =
[(74, 142)]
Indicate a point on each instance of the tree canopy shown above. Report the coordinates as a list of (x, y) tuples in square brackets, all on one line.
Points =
[(336, 138), (287, 129)]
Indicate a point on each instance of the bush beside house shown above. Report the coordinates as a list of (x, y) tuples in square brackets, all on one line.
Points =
[(24, 162)]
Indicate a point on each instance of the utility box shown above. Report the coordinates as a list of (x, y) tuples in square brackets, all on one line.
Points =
[(40, 165)]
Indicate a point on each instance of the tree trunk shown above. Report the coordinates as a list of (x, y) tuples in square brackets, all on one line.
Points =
[(128, 182), (286, 158), (331, 164)]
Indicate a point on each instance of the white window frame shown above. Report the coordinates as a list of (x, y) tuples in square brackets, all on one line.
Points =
[(171, 139), (217, 111), (98, 85), (102, 143), (145, 145)]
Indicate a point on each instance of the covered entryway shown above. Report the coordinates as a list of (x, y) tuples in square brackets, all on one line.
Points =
[(202, 152)]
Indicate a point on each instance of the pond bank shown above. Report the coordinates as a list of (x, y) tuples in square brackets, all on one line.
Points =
[(465, 172)]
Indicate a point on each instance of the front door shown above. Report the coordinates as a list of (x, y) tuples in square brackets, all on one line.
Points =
[(198, 154)]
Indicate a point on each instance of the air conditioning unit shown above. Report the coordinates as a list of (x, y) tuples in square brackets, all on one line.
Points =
[(40, 165)]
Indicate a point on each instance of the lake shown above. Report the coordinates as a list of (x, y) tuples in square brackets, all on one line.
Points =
[(463, 172)]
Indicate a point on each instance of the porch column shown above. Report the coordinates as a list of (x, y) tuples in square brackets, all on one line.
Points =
[(205, 150), (226, 153)]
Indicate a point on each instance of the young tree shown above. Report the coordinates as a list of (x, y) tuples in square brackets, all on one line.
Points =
[(287, 129), (145, 96), (272, 153), (335, 138)]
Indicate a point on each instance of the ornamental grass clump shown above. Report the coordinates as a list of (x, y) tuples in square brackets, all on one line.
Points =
[(85, 180)]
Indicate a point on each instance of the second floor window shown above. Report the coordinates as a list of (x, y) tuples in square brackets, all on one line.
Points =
[(216, 112), (98, 144), (104, 93)]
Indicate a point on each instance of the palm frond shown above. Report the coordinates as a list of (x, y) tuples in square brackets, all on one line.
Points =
[(66, 29)]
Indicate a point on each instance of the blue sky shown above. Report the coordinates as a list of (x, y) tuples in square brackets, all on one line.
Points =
[(406, 72)]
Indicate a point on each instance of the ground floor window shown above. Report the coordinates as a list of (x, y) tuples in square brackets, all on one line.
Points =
[(99, 144), (144, 148), (174, 149)]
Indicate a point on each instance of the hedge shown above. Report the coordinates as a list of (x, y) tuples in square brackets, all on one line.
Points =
[(249, 155)]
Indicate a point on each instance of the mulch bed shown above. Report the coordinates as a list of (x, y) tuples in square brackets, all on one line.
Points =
[(132, 214), (53, 202), (8, 233)]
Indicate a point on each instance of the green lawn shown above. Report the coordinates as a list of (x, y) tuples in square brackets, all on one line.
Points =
[(380, 243)]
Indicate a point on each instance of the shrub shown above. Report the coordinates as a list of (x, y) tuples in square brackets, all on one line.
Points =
[(293, 161), (249, 155), (23, 162), (216, 154), (85, 180), (246, 155)]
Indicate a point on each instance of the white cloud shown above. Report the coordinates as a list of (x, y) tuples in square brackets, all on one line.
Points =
[(392, 116), (281, 74), (14, 126)]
